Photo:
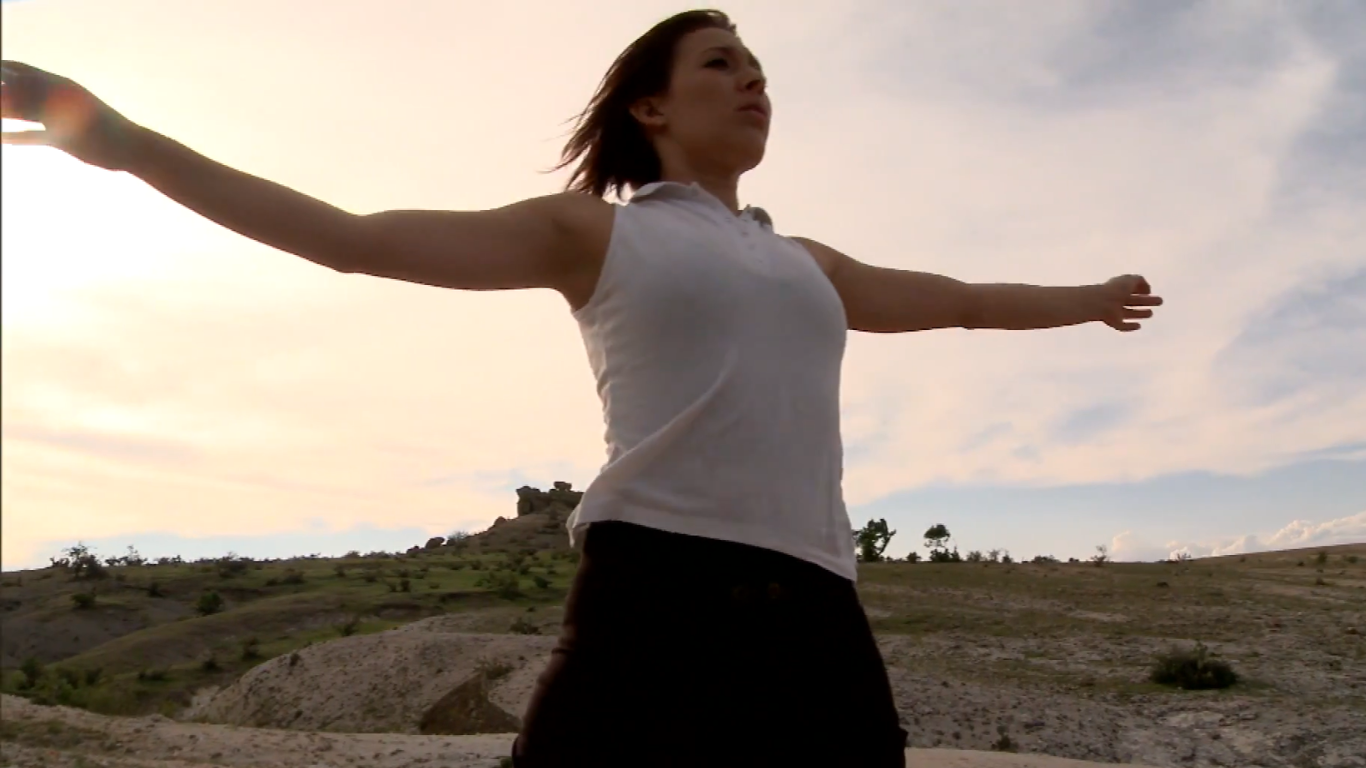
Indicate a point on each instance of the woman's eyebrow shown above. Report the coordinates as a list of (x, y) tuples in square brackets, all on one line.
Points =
[(736, 50)]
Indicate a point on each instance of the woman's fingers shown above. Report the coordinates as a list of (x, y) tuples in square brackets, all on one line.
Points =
[(1137, 314), (1141, 299), (31, 138)]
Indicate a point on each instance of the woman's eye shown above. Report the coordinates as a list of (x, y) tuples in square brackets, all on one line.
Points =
[(716, 62)]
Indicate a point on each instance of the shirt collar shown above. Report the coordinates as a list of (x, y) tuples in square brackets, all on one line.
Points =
[(694, 191)]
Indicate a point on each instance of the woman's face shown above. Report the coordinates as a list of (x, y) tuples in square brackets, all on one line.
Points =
[(716, 110)]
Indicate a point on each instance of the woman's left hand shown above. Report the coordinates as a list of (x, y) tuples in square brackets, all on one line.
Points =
[(1123, 300)]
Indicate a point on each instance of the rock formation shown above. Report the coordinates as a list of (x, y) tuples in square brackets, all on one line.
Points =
[(559, 500)]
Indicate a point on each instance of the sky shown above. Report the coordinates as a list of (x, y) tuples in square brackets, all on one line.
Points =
[(172, 386)]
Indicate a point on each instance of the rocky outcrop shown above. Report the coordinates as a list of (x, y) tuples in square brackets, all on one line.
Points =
[(418, 678), (558, 501)]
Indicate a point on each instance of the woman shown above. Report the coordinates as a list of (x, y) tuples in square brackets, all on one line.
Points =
[(713, 620)]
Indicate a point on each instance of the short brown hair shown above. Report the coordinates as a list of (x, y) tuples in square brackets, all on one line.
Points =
[(611, 147)]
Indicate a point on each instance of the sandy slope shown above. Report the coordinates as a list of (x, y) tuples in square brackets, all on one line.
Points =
[(58, 737)]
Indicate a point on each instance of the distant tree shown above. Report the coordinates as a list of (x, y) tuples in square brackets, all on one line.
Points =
[(871, 541), (1102, 555), (975, 556), (1006, 558), (994, 555), (937, 537), (912, 557)]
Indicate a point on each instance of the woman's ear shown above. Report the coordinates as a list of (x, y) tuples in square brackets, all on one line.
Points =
[(647, 113)]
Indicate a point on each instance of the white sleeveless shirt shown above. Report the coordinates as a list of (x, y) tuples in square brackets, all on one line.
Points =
[(717, 347)]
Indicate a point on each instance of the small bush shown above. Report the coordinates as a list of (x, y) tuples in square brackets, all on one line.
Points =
[(32, 671), (209, 603), (251, 649), (292, 577), (505, 584), (540, 581), (153, 675), (210, 664), (232, 566), (340, 570), (1321, 558), (349, 627), (1351, 559), (93, 675), (523, 627), (1192, 670), (154, 589), (83, 600)]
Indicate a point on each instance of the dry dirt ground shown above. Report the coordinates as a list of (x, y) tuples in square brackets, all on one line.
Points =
[(58, 737)]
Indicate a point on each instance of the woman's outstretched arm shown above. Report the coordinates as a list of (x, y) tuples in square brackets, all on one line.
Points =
[(556, 241), (885, 300)]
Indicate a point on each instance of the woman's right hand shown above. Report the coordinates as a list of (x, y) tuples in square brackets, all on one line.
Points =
[(73, 120)]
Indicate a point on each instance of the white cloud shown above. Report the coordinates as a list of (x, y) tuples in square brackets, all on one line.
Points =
[(1296, 534)]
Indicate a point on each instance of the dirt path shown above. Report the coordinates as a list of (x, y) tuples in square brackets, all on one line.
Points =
[(58, 737)]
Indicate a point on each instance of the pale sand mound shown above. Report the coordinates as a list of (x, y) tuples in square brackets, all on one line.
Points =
[(57, 737), (415, 679)]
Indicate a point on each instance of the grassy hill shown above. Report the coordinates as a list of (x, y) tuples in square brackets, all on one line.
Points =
[(133, 639)]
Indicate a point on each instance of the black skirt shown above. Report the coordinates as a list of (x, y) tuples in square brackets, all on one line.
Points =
[(686, 651)]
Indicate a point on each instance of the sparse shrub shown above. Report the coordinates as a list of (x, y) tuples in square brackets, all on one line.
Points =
[(1044, 560), (352, 555), (349, 627), (209, 603), (502, 583), (405, 586), (523, 627), (975, 556), (81, 563), (495, 670), (292, 576), (83, 600), (93, 675), (154, 589), (1003, 741), (251, 649), (540, 581), (946, 556), (370, 577), (231, 566), (210, 665), (1321, 558), (1351, 559), (153, 675), (32, 671), (1005, 558), (1192, 670), (477, 565), (340, 570)]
